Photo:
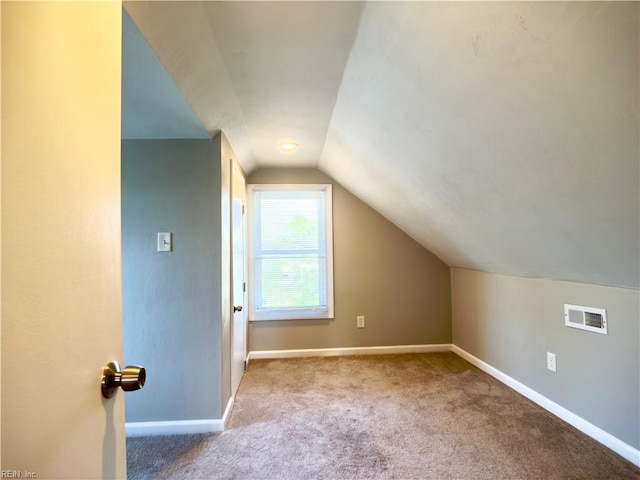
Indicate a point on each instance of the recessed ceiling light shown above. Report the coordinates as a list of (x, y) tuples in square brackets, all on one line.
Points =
[(289, 147)]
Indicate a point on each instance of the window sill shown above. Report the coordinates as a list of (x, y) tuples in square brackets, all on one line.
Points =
[(283, 316)]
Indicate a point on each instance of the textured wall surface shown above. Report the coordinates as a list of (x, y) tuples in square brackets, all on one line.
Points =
[(171, 301), (511, 322), (401, 288)]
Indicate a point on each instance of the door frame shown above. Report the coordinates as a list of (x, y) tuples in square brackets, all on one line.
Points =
[(237, 173)]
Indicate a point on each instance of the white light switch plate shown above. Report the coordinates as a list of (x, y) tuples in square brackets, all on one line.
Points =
[(165, 242)]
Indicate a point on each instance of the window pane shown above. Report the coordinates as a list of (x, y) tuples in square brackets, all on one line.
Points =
[(290, 282), (289, 224)]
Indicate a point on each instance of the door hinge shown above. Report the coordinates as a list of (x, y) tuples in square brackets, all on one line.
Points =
[(243, 209), (244, 287)]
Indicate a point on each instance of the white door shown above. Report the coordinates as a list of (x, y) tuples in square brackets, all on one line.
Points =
[(239, 328), (61, 289)]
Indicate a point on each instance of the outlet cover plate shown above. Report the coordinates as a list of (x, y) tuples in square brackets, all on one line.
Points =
[(551, 361)]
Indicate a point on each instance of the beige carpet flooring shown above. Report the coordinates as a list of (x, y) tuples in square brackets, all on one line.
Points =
[(414, 416)]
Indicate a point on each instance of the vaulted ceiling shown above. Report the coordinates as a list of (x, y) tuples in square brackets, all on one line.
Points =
[(503, 137)]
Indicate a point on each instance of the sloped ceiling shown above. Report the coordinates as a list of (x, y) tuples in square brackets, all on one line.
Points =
[(152, 105), (504, 137)]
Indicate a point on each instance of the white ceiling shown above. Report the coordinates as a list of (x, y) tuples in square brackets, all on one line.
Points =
[(504, 137), (152, 105)]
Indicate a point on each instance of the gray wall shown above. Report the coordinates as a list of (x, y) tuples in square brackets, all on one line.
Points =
[(511, 322), (401, 288), (171, 301)]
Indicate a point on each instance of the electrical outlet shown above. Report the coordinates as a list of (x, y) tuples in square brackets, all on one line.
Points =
[(360, 321), (551, 361)]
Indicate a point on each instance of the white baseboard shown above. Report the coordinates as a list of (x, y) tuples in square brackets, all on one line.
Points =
[(621, 448), (173, 427), (227, 413), (180, 427), (330, 352)]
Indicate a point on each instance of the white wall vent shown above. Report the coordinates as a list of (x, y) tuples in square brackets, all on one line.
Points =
[(586, 318)]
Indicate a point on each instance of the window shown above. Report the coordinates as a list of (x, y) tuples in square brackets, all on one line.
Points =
[(290, 261)]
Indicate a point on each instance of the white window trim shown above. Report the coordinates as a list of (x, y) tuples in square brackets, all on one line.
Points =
[(293, 313)]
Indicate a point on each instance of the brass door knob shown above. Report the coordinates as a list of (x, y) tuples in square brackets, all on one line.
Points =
[(130, 379)]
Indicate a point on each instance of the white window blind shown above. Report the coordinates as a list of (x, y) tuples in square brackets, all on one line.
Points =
[(291, 252)]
